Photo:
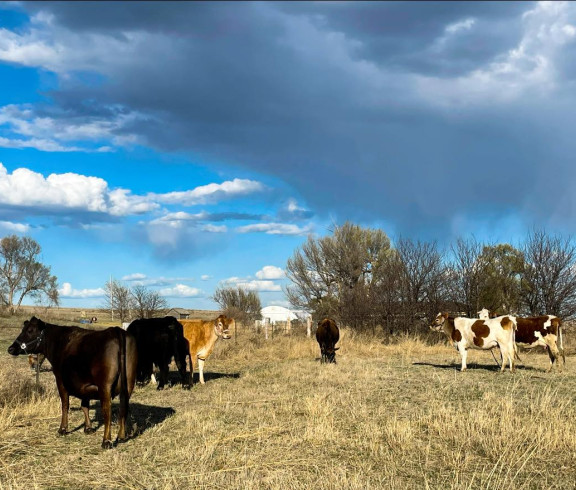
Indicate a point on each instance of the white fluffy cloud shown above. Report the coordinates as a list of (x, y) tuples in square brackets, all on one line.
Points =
[(71, 191), (137, 276), (16, 227), (273, 229), (24, 187), (253, 285), (270, 272), (211, 193), (181, 291), (67, 291)]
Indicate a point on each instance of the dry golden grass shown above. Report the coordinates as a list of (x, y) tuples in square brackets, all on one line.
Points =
[(393, 416)]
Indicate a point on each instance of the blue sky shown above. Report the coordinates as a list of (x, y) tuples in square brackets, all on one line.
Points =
[(188, 145)]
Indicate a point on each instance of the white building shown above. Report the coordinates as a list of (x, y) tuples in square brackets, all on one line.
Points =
[(277, 314)]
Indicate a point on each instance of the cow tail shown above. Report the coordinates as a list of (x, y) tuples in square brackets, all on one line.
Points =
[(515, 326), (123, 377), (561, 341)]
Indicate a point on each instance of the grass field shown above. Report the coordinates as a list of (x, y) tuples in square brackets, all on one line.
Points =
[(388, 415)]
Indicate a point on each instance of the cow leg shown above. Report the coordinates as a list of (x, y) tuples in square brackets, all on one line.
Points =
[(87, 422), (65, 400), (507, 355), (464, 354), (554, 354), (201, 370), (122, 417), (182, 370), (162, 376), (106, 406)]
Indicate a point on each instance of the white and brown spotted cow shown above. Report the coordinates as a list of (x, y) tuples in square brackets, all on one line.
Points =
[(544, 330), (478, 333)]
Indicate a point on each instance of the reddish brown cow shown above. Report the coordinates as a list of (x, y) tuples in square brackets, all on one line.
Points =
[(543, 330), (327, 334), (87, 364)]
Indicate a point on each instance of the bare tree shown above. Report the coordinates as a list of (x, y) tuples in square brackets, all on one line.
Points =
[(422, 281), (119, 299), (239, 303), (333, 275), (467, 274), (549, 277), (21, 274), (148, 303)]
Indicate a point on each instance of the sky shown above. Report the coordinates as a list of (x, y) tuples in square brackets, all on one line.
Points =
[(187, 146)]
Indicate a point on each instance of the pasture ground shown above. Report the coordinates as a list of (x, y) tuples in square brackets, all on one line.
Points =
[(394, 415)]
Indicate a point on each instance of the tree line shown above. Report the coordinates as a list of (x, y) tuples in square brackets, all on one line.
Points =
[(358, 276)]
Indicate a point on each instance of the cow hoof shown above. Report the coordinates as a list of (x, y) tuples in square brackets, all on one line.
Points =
[(89, 430), (107, 445), (62, 432)]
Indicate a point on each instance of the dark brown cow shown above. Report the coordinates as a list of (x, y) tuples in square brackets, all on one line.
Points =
[(157, 341), (327, 334), (87, 364)]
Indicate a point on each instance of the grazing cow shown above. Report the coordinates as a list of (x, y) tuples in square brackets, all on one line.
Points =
[(87, 364), (158, 340), (202, 335), (544, 330), (327, 334), (478, 333)]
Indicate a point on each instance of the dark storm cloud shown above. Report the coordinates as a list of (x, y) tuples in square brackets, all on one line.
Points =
[(332, 98), (403, 34)]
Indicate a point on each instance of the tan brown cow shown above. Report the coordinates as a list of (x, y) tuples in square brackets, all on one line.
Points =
[(202, 335)]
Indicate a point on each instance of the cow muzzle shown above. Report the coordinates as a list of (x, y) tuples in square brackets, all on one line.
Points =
[(15, 349)]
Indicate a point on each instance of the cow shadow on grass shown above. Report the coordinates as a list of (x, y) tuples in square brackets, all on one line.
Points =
[(473, 366), (213, 376), (140, 417)]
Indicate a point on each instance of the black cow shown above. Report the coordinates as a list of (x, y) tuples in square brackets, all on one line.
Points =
[(158, 340), (327, 334), (87, 364)]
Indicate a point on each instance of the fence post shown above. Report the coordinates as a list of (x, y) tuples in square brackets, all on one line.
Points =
[(266, 323), (309, 327), (289, 325)]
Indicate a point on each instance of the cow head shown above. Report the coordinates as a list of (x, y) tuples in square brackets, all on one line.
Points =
[(484, 314), (222, 326), (30, 338), (438, 323), (330, 353)]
